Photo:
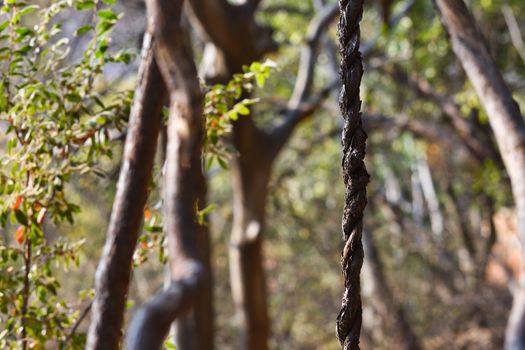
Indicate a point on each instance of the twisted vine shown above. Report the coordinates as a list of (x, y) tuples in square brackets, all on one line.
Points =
[(355, 175)]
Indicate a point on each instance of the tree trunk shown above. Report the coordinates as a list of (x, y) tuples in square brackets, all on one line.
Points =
[(505, 119), (114, 270), (195, 331), (221, 21), (184, 187), (257, 149), (250, 176)]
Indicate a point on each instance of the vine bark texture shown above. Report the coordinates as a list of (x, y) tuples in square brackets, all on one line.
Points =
[(355, 175)]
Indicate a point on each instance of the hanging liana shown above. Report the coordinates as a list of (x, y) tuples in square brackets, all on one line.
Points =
[(354, 172)]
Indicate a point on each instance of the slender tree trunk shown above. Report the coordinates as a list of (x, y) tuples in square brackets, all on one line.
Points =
[(250, 176), (184, 182), (250, 171), (221, 21), (114, 270), (195, 331), (506, 121)]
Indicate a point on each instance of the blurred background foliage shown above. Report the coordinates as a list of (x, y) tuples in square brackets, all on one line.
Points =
[(426, 195)]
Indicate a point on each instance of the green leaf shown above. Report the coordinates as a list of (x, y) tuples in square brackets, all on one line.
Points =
[(208, 209), (100, 120), (255, 66), (23, 32), (21, 217), (83, 30), (28, 9), (233, 115), (4, 25), (107, 15), (222, 163), (169, 345), (3, 98), (259, 78), (102, 48), (242, 109), (153, 228), (85, 5)]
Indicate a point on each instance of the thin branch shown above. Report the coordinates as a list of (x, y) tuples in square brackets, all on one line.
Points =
[(299, 106), (514, 30), (479, 149), (316, 29), (77, 323)]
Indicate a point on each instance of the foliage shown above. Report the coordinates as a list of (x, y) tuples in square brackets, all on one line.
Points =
[(60, 127), (223, 104), (57, 126)]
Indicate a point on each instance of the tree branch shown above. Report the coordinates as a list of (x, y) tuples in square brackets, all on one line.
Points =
[(299, 106), (514, 30), (467, 131), (219, 22), (114, 270), (184, 181)]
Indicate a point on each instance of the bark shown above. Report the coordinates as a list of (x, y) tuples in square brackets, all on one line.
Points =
[(195, 330), (113, 273), (505, 119), (184, 181), (355, 176)]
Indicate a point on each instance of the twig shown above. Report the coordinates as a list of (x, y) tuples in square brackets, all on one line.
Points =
[(77, 323)]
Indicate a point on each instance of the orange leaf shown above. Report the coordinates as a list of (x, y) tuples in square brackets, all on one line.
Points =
[(19, 234), (147, 213), (16, 203)]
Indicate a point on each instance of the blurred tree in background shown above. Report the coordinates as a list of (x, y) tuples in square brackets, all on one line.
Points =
[(442, 253)]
